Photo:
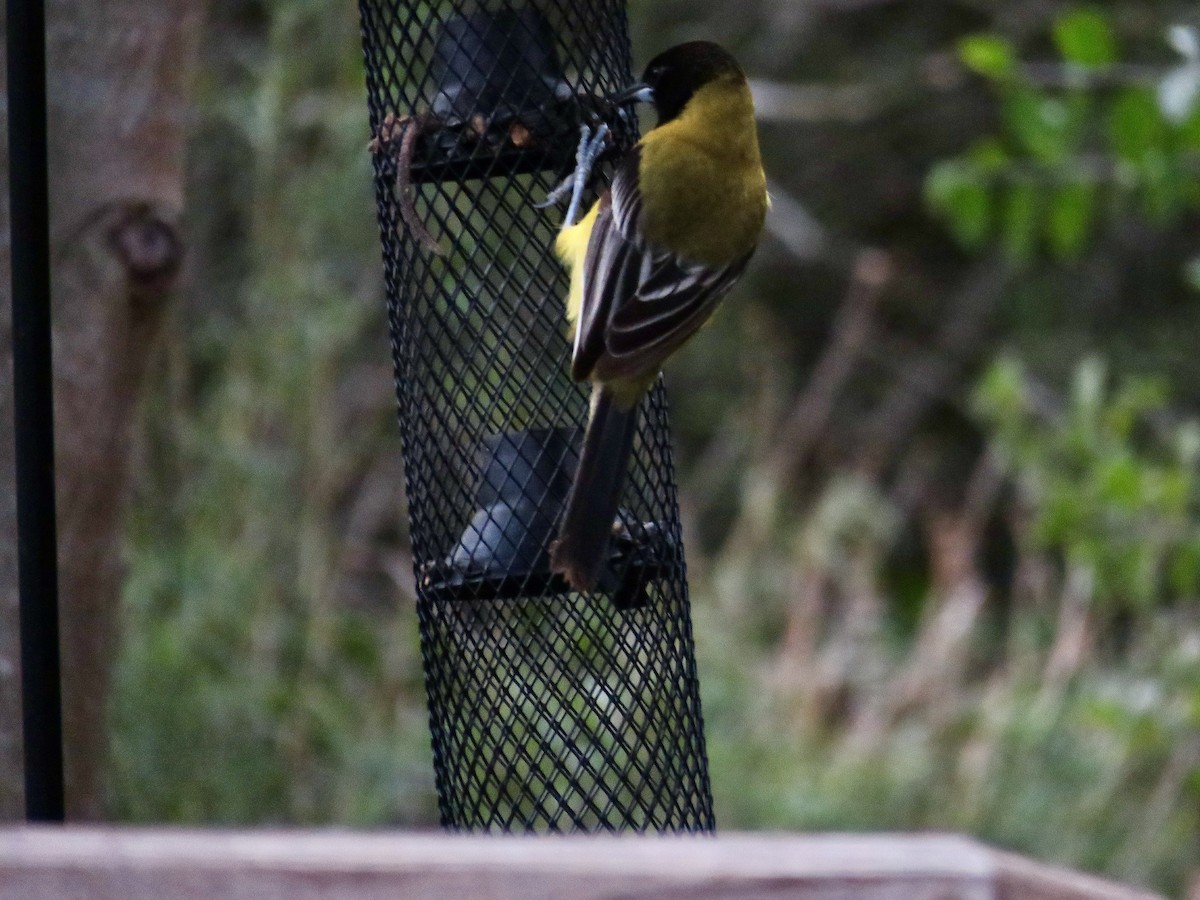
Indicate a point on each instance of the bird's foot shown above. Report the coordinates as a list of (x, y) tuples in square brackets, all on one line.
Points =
[(591, 146), (558, 193)]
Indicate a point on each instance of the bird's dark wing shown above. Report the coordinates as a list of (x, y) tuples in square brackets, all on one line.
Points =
[(639, 302)]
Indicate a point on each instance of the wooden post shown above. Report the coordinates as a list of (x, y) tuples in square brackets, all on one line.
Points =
[(118, 78)]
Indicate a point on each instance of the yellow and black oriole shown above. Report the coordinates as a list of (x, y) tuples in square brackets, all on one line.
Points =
[(649, 263)]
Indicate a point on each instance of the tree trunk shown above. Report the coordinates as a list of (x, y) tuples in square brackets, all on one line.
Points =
[(118, 81)]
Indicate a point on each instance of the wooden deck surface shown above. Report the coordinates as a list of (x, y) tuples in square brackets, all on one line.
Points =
[(167, 864)]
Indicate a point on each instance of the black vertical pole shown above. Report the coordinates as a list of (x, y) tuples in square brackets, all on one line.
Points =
[(37, 560)]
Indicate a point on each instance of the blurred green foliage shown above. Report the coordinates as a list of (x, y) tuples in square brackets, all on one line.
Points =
[(1070, 731), (1124, 514), (968, 601), (1074, 141)]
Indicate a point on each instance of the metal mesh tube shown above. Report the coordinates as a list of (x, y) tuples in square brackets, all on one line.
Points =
[(549, 710)]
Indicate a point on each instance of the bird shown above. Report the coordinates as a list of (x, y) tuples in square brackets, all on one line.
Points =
[(649, 263)]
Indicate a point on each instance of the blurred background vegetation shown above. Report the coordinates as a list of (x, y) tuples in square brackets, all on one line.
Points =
[(943, 521)]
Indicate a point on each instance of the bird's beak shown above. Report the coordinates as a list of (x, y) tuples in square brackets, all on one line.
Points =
[(635, 93)]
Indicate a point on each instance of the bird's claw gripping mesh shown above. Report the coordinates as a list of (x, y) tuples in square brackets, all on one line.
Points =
[(550, 710)]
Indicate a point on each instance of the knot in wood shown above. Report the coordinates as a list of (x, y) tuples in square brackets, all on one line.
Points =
[(150, 248)]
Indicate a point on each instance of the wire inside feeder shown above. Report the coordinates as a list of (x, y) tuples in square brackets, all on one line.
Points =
[(502, 552)]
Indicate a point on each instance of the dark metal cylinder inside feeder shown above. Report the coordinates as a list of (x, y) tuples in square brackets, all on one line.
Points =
[(525, 477), (498, 90), (550, 710), (500, 66)]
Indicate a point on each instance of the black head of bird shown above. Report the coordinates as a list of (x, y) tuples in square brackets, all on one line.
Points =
[(673, 77)]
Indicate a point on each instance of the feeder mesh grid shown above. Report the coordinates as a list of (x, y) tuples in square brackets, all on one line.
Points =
[(549, 710)]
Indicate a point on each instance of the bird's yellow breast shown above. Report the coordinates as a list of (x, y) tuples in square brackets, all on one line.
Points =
[(702, 179)]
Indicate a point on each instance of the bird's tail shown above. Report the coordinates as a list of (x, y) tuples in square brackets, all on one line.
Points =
[(587, 521)]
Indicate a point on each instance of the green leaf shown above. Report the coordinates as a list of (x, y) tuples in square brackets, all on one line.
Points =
[(1020, 221), (989, 156), (1185, 567), (1135, 125), (1120, 482), (1043, 125), (1188, 131), (1070, 217), (1063, 514), (988, 54), (959, 192), (1161, 188), (1000, 394), (1085, 37)]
